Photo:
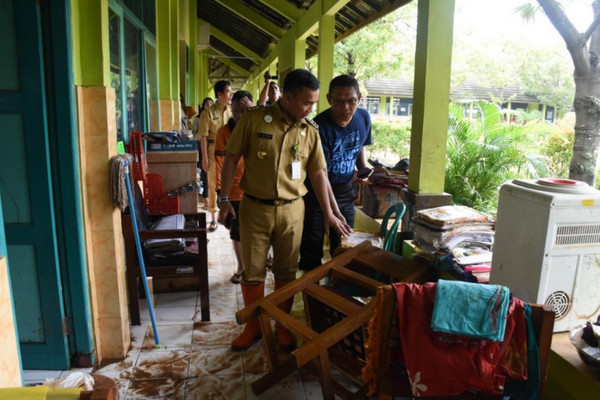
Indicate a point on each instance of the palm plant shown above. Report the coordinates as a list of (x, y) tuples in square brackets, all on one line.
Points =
[(483, 154)]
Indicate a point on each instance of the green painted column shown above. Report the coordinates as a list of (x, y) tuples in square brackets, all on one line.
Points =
[(174, 41), (91, 55), (202, 75), (294, 55), (163, 44), (325, 52), (431, 96), (194, 97)]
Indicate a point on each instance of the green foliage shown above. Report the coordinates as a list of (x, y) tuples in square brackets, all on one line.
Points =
[(483, 154), (558, 148), (385, 47), (392, 137)]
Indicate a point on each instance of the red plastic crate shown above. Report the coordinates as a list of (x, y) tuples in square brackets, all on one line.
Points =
[(136, 149), (157, 201)]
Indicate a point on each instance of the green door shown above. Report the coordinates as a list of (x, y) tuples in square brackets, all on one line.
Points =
[(26, 189)]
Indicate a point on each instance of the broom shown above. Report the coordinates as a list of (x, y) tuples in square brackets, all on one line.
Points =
[(120, 188)]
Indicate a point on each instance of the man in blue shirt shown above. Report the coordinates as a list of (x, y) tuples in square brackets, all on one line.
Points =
[(344, 129)]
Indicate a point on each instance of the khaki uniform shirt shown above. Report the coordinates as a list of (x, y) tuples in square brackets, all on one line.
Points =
[(212, 119), (267, 142)]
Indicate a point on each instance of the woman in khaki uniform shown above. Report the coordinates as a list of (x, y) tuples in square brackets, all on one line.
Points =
[(280, 145)]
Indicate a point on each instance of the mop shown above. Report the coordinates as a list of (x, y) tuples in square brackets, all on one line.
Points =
[(120, 184)]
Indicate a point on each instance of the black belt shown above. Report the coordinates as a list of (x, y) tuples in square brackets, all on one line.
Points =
[(210, 140), (270, 202)]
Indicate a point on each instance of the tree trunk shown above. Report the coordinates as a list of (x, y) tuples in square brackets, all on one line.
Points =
[(587, 88), (587, 128)]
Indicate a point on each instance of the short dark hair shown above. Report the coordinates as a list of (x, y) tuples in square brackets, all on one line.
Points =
[(204, 102), (344, 81), (220, 87), (240, 94), (299, 79)]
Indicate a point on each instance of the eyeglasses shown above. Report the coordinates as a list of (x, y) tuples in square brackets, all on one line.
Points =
[(340, 102)]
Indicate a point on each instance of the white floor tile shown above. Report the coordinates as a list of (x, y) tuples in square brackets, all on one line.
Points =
[(176, 299)]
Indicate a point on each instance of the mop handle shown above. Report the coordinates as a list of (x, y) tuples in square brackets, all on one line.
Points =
[(136, 235)]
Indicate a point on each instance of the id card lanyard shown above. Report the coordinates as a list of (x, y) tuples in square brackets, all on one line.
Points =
[(296, 173)]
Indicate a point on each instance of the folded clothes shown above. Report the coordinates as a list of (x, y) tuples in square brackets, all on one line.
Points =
[(175, 221), (470, 309)]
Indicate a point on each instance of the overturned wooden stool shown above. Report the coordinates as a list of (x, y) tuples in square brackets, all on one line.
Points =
[(335, 322)]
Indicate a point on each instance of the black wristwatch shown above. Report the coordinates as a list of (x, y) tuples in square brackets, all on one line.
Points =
[(223, 198)]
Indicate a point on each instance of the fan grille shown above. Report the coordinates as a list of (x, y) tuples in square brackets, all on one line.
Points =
[(561, 303), (569, 235)]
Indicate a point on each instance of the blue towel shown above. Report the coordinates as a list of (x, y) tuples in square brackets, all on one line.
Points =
[(470, 309)]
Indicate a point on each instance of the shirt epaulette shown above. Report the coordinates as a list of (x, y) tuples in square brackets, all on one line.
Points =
[(312, 123), (253, 108)]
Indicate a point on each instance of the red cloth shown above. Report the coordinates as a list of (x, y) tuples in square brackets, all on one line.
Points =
[(441, 364)]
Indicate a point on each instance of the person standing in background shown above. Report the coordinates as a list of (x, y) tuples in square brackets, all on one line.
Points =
[(206, 103), (240, 102), (270, 93), (211, 120)]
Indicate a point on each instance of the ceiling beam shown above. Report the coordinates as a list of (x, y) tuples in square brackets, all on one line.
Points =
[(226, 61), (388, 8), (229, 41), (310, 20), (284, 8), (254, 18)]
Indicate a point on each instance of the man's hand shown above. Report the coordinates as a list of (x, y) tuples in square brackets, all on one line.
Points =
[(246, 103), (225, 209), (337, 224), (364, 173), (267, 77)]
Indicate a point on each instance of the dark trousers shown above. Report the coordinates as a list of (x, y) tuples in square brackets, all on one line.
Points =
[(203, 176), (311, 248)]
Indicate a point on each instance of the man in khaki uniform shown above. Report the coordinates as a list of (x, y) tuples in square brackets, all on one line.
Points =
[(211, 120), (280, 145)]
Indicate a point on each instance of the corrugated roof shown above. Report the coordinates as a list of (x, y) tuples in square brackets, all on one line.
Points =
[(353, 16), (463, 93)]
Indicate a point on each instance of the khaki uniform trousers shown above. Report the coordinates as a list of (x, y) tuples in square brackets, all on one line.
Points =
[(263, 225), (212, 178)]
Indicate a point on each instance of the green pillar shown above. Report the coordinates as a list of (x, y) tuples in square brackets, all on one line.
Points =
[(174, 41), (431, 96), (91, 55), (163, 45), (203, 76), (194, 97), (326, 44), (294, 55)]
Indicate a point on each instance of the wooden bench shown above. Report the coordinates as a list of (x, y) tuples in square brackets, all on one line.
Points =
[(174, 267)]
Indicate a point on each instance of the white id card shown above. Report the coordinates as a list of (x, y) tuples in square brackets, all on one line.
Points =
[(296, 170)]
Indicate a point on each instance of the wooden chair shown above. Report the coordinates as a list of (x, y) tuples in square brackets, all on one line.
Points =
[(186, 265), (395, 383), (335, 323)]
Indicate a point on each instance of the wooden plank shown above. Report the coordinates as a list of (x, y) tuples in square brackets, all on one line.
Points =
[(288, 321), (332, 299), (390, 264), (289, 290), (333, 335), (346, 275), (268, 341), (325, 375), (266, 381)]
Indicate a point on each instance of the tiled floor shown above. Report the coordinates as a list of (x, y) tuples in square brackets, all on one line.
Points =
[(195, 360)]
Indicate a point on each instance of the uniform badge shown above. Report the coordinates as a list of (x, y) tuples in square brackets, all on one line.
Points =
[(268, 119), (261, 155), (302, 132)]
